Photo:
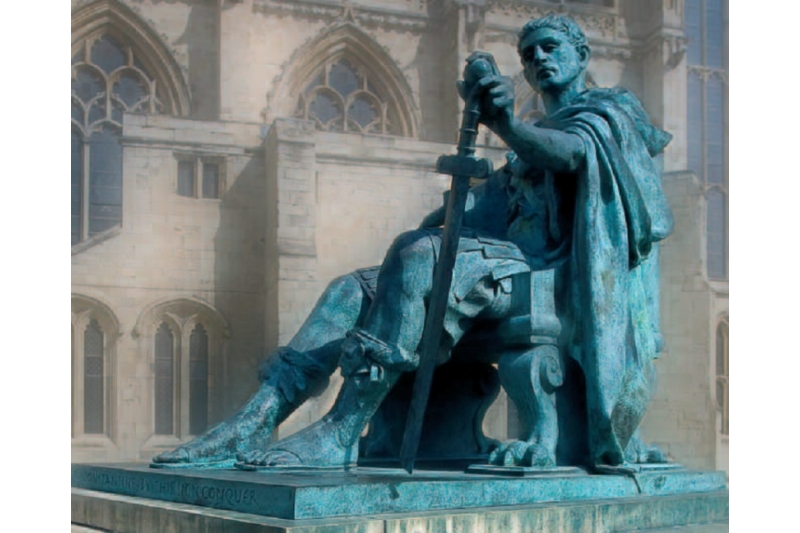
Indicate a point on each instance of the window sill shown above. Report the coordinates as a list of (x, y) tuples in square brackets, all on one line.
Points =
[(96, 239)]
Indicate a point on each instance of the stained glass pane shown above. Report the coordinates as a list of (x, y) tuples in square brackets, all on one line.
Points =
[(86, 84), (108, 54), (105, 180), (716, 235), (210, 180), (97, 110), (77, 180), (130, 89), (695, 124), (77, 112), (715, 27), (693, 20), (342, 77), (715, 130), (363, 111), (164, 381), (186, 178), (117, 109), (324, 107), (93, 401), (198, 380)]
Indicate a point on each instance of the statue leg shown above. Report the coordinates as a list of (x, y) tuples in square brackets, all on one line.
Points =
[(375, 355), (530, 377), (288, 378)]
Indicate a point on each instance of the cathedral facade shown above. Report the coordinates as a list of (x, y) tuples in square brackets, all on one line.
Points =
[(231, 157)]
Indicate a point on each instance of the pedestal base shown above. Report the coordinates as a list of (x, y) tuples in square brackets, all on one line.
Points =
[(132, 498)]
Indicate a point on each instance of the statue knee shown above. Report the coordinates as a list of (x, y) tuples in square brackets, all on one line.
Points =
[(344, 290), (410, 253)]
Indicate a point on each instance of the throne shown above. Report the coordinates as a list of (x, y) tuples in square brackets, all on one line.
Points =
[(521, 354)]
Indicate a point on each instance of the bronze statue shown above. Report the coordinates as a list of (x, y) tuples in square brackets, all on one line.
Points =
[(580, 197)]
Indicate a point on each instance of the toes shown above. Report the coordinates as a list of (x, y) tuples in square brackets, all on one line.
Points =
[(537, 455), (179, 455), (247, 457)]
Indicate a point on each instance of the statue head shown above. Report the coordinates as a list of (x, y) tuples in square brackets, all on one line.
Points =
[(554, 54)]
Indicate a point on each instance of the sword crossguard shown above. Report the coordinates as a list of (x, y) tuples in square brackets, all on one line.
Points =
[(459, 165)]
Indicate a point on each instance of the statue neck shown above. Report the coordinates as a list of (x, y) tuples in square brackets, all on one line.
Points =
[(554, 102)]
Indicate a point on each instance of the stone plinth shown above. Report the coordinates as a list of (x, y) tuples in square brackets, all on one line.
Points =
[(137, 498)]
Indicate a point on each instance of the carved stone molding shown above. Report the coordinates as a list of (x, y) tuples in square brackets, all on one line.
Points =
[(599, 48), (674, 49), (595, 20), (327, 12), (95, 16), (671, 44)]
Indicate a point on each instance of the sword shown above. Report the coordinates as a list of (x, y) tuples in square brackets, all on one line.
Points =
[(462, 167)]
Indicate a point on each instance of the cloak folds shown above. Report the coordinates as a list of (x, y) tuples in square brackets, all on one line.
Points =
[(607, 285)]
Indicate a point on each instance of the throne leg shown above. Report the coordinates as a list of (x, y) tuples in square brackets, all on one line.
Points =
[(531, 377)]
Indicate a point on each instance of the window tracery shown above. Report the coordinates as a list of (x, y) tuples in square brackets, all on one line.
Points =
[(342, 97), (108, 80)]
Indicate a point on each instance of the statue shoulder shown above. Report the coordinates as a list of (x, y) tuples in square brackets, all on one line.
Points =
[(624, 101)]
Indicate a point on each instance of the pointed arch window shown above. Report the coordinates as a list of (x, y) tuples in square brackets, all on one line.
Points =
[(108, 79), (94, 335), (183, 339), (723, 393), (343, 97)]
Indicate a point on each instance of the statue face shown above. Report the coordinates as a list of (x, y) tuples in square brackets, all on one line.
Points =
[(550, 62)]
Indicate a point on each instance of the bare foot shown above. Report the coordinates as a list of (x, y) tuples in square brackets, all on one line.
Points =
[(317, 446), (249, 429)]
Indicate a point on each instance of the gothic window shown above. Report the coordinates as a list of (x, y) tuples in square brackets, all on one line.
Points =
[(108, 79), (707, 86), (184, 339), (94, 334), (723, 392), (164, 380), (343, 97)]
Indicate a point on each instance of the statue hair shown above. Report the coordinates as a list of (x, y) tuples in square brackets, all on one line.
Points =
[(561, 23)]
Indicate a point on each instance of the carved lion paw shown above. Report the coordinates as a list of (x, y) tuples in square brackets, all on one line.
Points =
[(521, 453)]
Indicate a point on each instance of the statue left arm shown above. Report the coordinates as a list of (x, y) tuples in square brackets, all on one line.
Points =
[(540, 148)]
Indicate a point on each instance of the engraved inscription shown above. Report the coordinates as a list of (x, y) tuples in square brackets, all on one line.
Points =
[(171, 489)]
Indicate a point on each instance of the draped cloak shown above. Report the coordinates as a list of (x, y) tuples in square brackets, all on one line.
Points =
[(597, 227)]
